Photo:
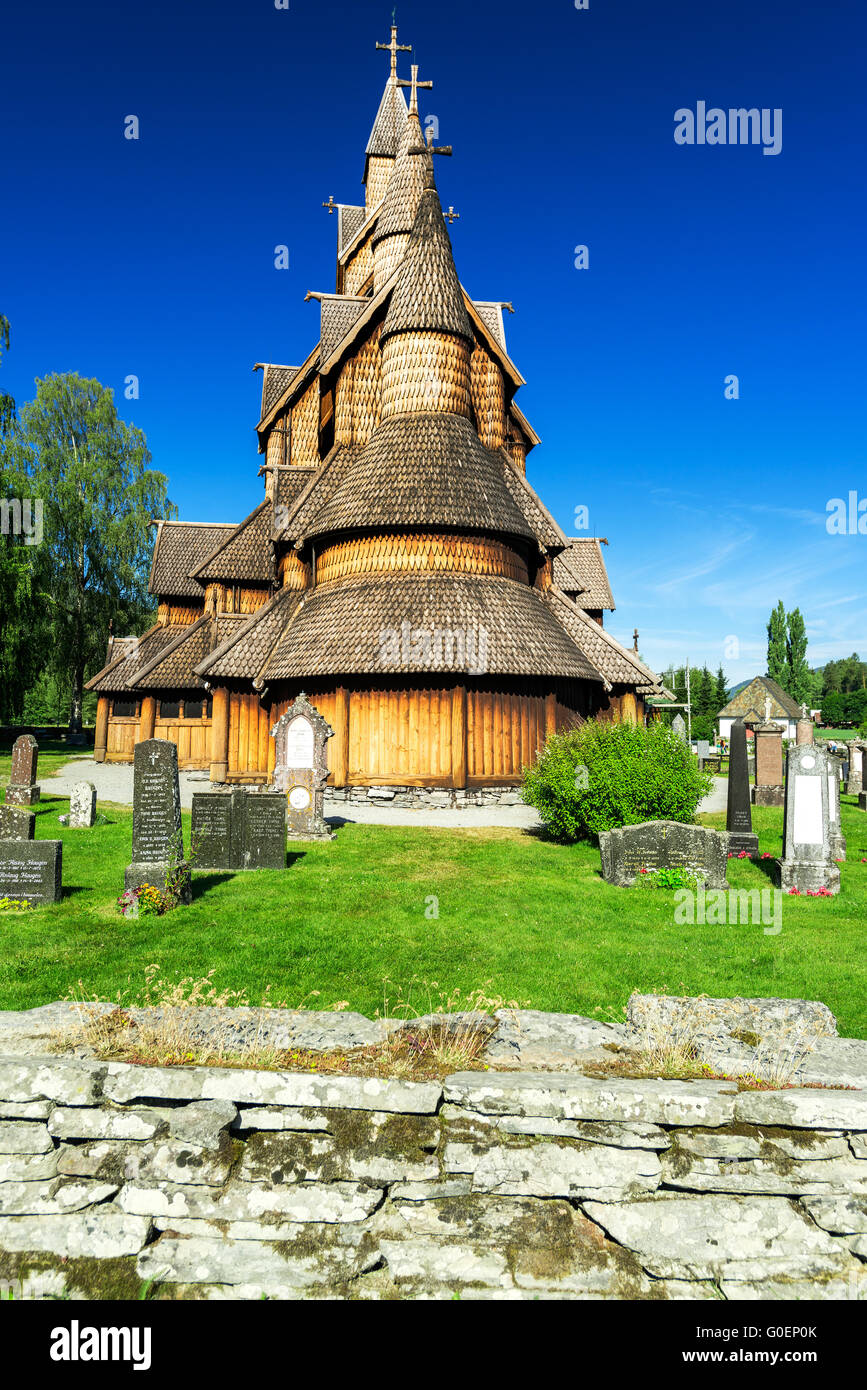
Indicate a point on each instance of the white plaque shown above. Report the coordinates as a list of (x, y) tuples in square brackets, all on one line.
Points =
[(299, 743), (808, 811), (299, 798)]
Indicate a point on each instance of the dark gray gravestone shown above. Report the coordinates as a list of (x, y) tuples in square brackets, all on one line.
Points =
[(807, 863), (239, 830), (22, 789), (301, 769), (16, 823), (31, 870), (263, 833), (663, 844), (157, 837), (739, 816)]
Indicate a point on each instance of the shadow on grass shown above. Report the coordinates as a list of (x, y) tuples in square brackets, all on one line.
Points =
[(205, 879)]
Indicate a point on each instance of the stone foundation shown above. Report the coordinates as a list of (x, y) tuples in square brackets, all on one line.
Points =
[(234, 1184), (425, 798)]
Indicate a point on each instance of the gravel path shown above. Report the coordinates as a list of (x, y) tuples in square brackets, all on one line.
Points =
[(113, 782)]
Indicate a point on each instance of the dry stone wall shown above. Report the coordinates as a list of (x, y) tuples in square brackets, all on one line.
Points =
[(493, 1185)]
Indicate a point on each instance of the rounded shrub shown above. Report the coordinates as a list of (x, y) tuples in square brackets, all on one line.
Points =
[(602, 775)]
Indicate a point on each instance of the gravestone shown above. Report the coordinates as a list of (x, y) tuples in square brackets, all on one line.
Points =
[(854, 784), (703, 751), (679, 726), (82, 806), (862, 801), (804, 730), (301, 770), (31, 870), (807, 863), (22, 789), (663, 844), (768, 736), (157, 836), (16, 823), (239, 830), (836, 838), (739, 817)]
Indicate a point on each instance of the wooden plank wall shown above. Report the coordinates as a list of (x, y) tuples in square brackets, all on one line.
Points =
[(121, 741), (504, 731), (192, 738), (400, 736)]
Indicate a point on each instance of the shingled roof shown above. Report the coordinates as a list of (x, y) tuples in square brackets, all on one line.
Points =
[(750, 702), (617, 663), (172, 668), (338, 314), (428, 294), (122, 672), (244, 647), (180, 547), (387, 126), (419, 622), (244, 555), (405, 186), (427, 469), (580, 569), (350, 220), (275, 381)]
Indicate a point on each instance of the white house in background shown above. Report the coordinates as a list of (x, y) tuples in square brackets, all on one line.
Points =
[(749, 704)]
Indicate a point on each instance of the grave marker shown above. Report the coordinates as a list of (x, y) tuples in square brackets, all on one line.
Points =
[(157, 836), (807, 862), (31, 870), (301, 771), (739, 817), (679, 726), (239, 830), (22, 789), (16, 823), (82, 806), (663, 844)]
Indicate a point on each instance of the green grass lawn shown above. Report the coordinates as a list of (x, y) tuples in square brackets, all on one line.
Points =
[(533, 918)]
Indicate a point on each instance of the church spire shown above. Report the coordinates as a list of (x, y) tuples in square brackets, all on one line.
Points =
[(382, 145), (403, 194)]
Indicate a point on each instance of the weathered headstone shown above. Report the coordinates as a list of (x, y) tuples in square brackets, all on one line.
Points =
[(17, 823), (836, 838), (703, 751), (239, 830), (301, 770), (768, 737), (804, 730), (82, 806), (157, 835), (22, 789), (862, 801), (807, 863), (678, 724), (31, 870), (663, 844), (854, 784), (739, 818)]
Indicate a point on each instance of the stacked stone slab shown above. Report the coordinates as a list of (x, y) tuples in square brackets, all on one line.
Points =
[(22, 789), (512, 1185), (808, 864)]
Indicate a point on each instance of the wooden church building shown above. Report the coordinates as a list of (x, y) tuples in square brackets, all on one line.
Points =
[(400, 569)]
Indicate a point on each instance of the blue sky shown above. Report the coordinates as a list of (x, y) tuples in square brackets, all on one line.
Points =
[(156, 258)]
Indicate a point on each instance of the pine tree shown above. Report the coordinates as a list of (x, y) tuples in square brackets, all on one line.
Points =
[(722, 691)]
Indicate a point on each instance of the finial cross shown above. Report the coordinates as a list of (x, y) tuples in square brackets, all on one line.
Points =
[(430, 147), (414, 84), (331, 205), (394, 48), (452, 216)]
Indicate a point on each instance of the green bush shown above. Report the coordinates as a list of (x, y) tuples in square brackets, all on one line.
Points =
[(601, 776)]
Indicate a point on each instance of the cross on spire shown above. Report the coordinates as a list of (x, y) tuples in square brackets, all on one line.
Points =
[(414, 84), (394, 48), (331, 205), (452, 216), (430, 147)]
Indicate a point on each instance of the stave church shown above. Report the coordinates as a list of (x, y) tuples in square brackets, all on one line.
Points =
[(400, 568)]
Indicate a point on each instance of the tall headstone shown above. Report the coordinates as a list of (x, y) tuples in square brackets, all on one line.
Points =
[(239, 830), (836, 838), (807, 863), (804, 731), (82, 806), (739, 818), (157, 834), (31, 871), (768, 737), (678, 724), (301, 769), (22, 789), (17, 823), (855, 783)]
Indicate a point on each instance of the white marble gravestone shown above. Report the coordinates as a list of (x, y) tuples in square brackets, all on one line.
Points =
[(301, 770), (808, 862)]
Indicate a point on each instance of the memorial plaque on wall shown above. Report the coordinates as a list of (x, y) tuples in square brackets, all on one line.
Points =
[(301, 770)]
